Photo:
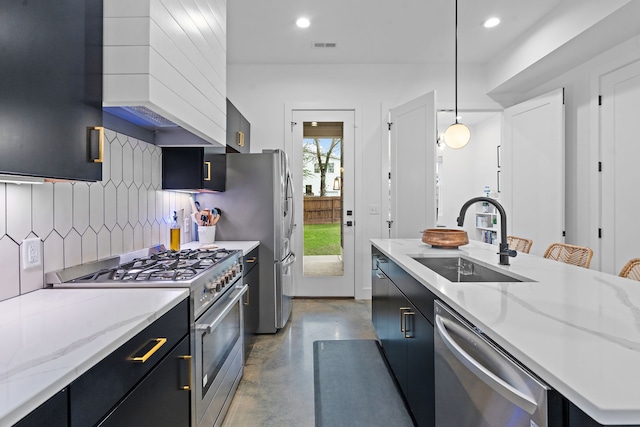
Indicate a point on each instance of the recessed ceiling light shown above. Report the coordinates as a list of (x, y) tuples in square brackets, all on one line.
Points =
[(491, 22), (303, 22)]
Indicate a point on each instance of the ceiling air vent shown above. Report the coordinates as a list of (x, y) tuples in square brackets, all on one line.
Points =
[(320, 45)]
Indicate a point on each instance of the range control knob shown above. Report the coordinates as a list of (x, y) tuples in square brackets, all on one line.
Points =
[(211, 286)]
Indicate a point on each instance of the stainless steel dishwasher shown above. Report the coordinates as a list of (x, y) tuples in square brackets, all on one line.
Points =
[(478, 385)]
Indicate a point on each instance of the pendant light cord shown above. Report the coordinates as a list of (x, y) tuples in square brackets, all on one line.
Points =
[(456, 63)]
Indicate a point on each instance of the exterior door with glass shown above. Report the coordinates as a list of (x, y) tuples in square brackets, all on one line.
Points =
[(322, 165)]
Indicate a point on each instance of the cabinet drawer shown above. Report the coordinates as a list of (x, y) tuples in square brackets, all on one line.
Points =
[(98, 390), (250, 260), (160, 399), (415, 291)]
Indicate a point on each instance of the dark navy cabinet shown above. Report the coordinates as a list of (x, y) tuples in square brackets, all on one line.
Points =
[(193, 168), (251, 309), (51, 88), (52, 413), (402, 313), (238, 131)]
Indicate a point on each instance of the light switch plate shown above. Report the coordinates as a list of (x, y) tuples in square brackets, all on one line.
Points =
[(31, 253)]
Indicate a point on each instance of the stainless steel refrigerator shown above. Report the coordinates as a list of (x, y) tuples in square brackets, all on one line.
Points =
[(258, 204)]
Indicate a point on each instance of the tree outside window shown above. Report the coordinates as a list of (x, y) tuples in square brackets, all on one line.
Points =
[(324, 152)]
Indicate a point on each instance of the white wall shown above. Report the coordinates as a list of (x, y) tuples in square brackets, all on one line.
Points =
[(465, 172), (581, 140), (261, 93)]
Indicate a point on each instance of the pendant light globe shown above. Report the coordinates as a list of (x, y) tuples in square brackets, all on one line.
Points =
[(457, 135)]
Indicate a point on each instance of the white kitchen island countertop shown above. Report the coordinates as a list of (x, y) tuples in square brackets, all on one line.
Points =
[(577, 329), (52, 336)]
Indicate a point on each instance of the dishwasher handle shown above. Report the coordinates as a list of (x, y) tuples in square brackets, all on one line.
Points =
[(496, 383)]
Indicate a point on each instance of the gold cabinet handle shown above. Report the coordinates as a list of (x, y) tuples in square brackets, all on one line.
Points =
[(405, 314), (188, 359), (252, 260), (402, 325), (100, 130), (240, 138), (159, 343), (246, 300), (208, 166)]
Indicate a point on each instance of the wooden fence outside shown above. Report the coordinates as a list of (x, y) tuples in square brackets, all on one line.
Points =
[(322, 210)]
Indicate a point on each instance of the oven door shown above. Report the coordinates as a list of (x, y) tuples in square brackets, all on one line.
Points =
[(218, 359)]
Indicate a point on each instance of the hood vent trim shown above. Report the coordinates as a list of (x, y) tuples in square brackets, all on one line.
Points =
[(142, 116)]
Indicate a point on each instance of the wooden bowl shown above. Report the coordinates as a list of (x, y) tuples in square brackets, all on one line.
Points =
[(444, 237)]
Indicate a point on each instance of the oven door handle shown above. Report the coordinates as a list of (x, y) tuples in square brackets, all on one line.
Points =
[(239, 291)]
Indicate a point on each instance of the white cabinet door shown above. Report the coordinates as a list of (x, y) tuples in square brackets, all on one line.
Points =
[(620, 151), (532, 182), (413, 167)]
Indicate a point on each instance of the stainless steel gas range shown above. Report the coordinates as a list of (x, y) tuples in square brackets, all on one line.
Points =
[(216, 291)]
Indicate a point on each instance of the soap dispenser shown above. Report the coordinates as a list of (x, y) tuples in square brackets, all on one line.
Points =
[(174, 238)]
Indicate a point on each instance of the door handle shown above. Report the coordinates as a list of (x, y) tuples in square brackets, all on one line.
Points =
[(402, 325), (159, 343), (348, 224), (246, 300), (405, 315), (208, 166), (188, 359)]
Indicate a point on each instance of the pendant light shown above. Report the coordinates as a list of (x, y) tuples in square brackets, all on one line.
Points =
[(457, 135)]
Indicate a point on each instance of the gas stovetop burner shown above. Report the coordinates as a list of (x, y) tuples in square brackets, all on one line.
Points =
[(162, 266)]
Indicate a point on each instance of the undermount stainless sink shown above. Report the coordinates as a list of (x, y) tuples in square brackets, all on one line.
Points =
[(457, 269)]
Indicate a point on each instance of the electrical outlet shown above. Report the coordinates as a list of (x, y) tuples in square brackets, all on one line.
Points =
[(31, 253)]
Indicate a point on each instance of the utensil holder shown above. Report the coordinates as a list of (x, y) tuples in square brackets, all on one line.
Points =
[(206, 234)]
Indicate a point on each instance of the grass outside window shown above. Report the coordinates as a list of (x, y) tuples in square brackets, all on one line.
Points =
[(322, 239)]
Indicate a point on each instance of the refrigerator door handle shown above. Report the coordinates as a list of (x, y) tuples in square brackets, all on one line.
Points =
[(288, 260), (496, 383)]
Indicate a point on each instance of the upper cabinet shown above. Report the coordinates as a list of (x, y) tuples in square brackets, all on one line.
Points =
[(165, 64), (238, 131), (51, 88), (193, 169)]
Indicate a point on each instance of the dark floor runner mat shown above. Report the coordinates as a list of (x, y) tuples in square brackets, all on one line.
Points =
[(353, 386)]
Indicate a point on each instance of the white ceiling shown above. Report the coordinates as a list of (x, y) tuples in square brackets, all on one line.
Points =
[(374, 31)]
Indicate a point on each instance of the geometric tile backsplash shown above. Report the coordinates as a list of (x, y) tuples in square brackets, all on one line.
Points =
[(78, 222)]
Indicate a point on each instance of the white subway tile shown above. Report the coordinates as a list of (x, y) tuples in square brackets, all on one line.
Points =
[(110, 206), (72, 249), (62, 207), (96, 205), (53, 255), (80, 206), (42, 212), (18, 211), (9, 265)]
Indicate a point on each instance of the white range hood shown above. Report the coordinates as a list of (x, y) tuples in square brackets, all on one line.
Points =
[(165, 65)]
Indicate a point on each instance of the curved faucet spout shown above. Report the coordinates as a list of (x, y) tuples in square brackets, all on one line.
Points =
[(505, 252)]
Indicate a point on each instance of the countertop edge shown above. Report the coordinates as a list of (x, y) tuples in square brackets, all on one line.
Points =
[(245, 246)]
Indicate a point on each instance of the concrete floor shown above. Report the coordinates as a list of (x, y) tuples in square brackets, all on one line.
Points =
[(277, 385), (322, 265)]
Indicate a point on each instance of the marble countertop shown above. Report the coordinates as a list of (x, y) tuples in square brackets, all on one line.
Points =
[(577, 329), (52, 336), (245, 246)]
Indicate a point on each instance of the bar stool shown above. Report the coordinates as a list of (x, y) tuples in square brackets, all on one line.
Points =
[(519, 244), (569, 254), (631, 270)]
